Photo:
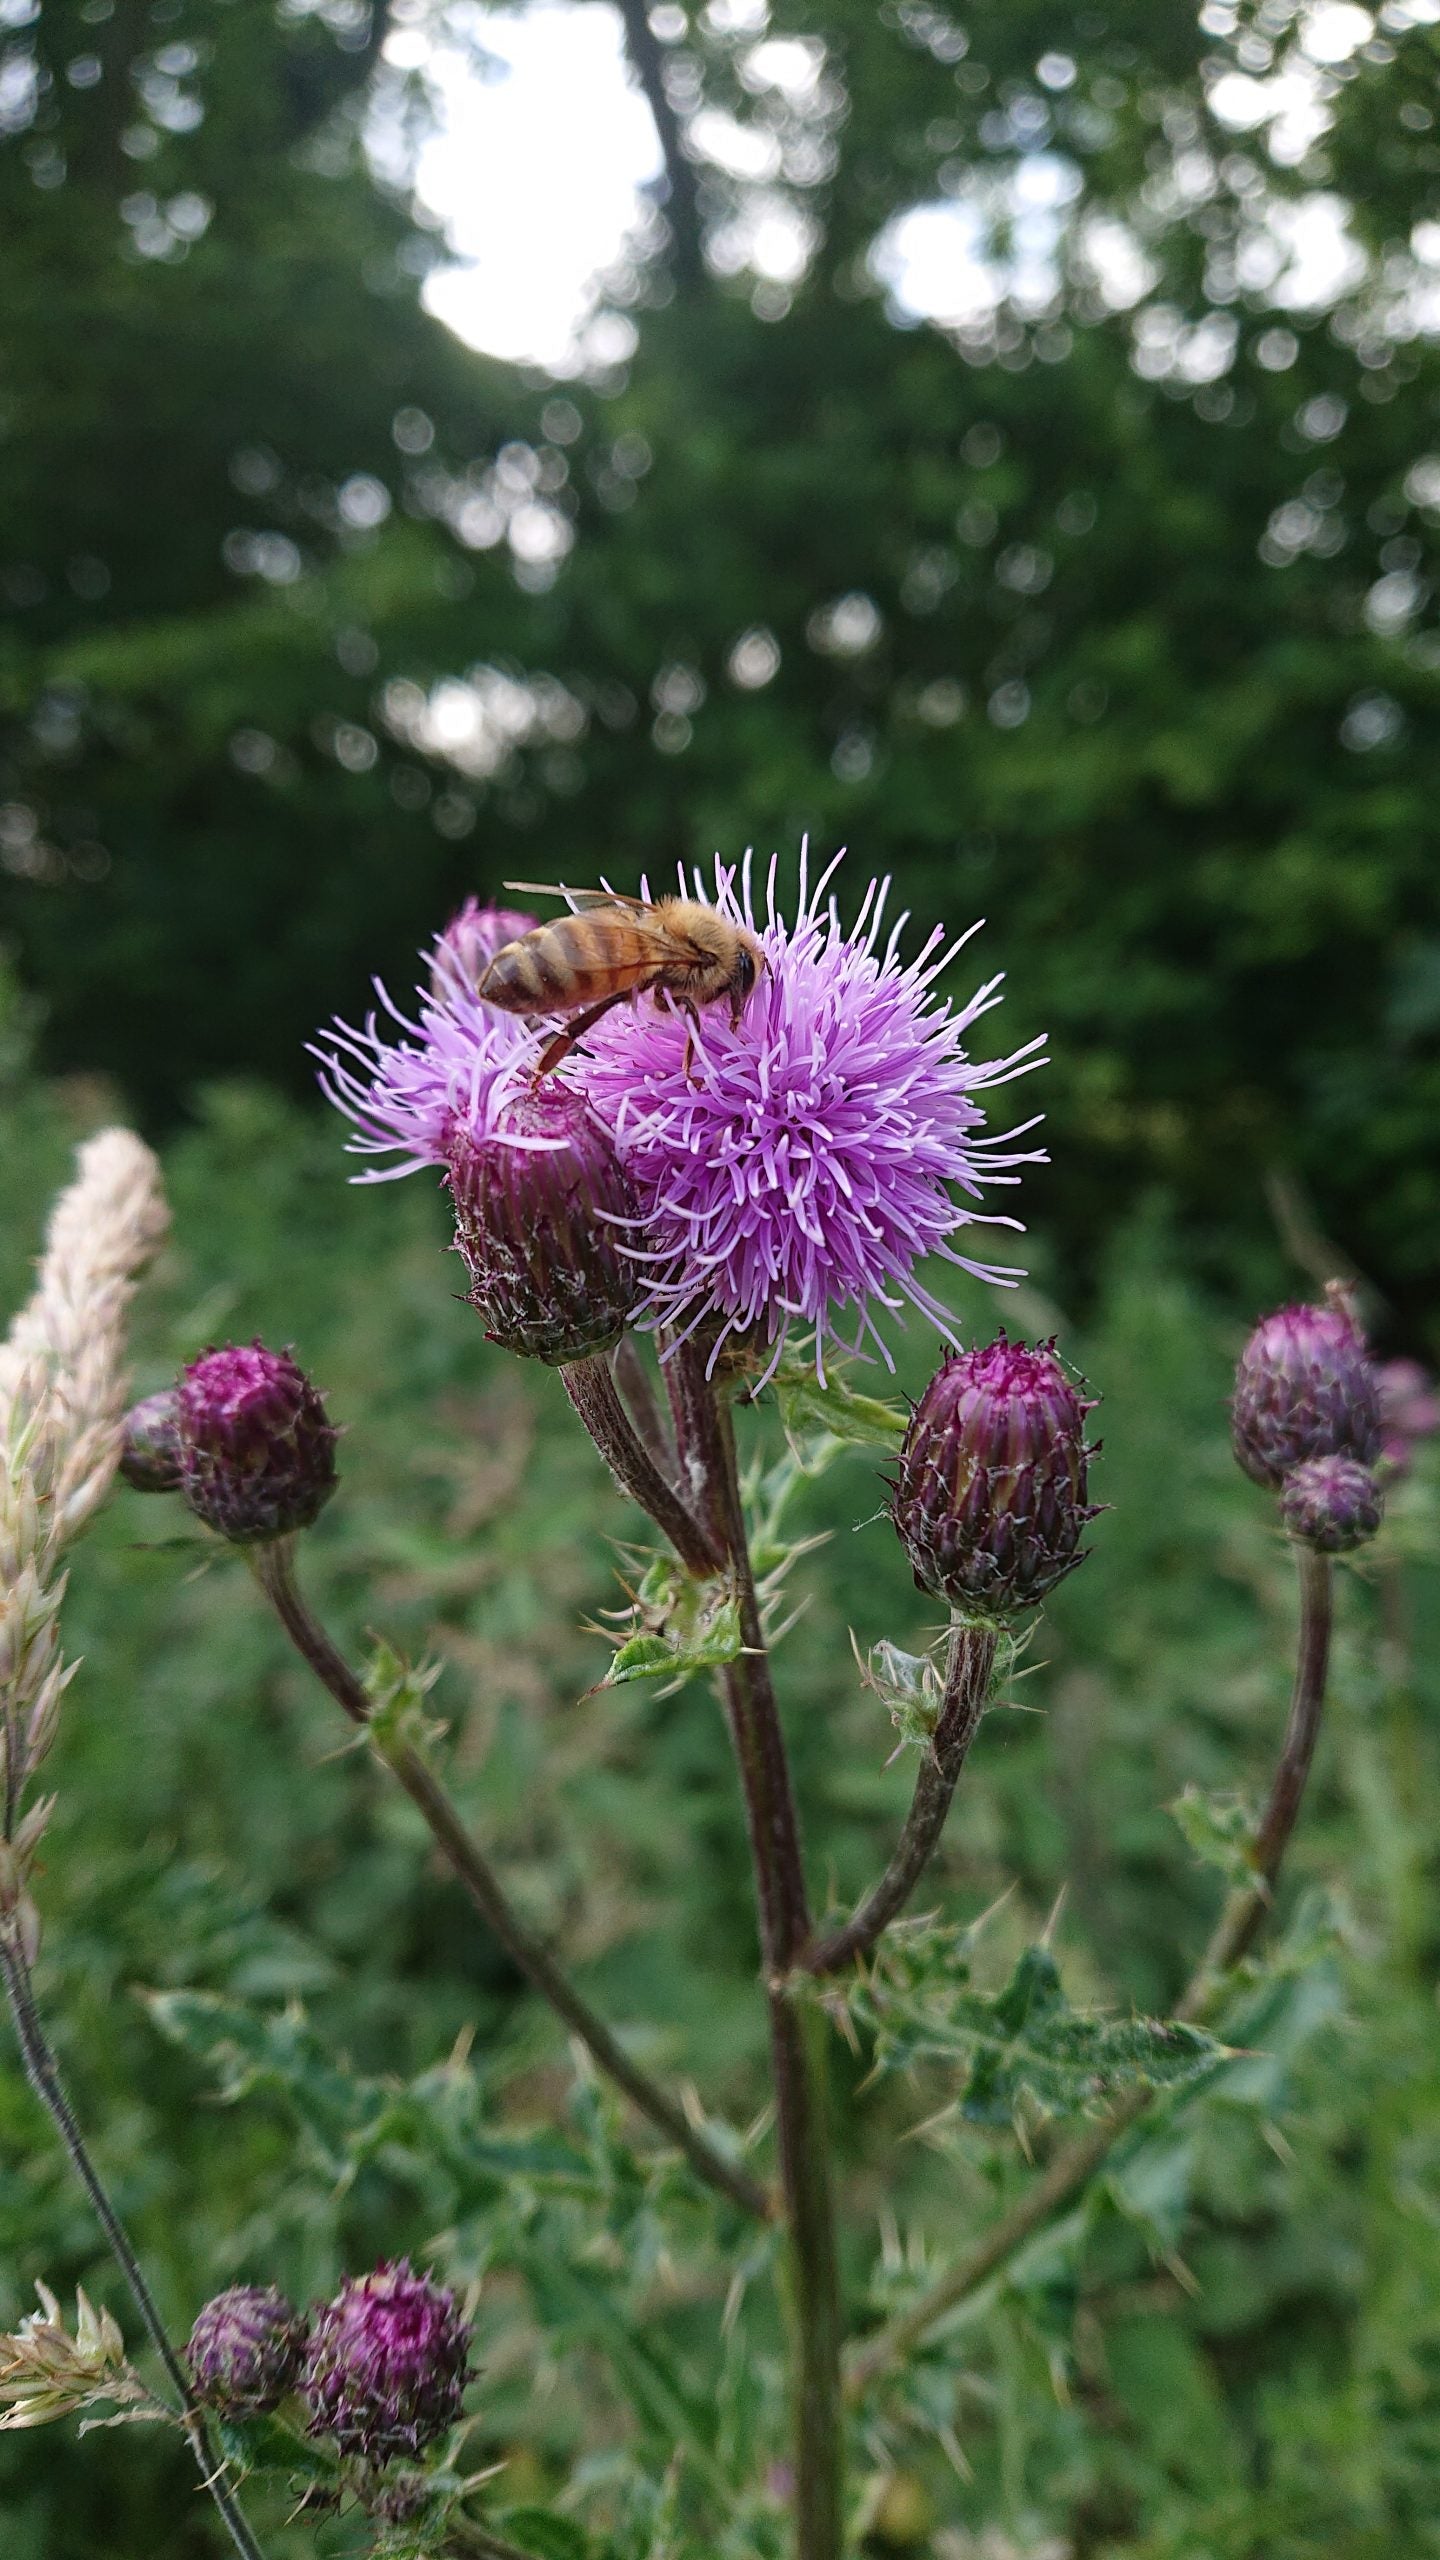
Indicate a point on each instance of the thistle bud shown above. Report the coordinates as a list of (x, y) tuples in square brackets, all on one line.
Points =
[(150, 1444), (387, 2364), (245, 2350), (1331, 1504), (990, 1502), (1305, 1388), (257, 1451), (541, 1211), (464, 951)]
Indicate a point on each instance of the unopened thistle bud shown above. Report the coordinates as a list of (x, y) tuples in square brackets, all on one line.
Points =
[(257, 1451), (246, 2349), (990, 1502), (150, 1446), (543, 1215), (387, 2364), (1305, 1388), (1331, 1504)]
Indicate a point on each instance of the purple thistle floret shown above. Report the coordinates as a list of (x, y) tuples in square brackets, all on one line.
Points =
[(452, 1067), (1305, 1388), (387, 2364), (795, 1166), (150, 1459), (257, 1450), (991, 1498), (1331, 1504), (245, 2350)]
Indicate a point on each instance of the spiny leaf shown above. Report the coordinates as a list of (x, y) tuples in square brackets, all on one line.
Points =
[(263, 2444), (813, 1414), (1220, 1829), (676, 1628), (1024, 2041)]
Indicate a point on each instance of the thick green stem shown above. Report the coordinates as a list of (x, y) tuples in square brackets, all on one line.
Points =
[(43, 2073), (1068, 2174), (796, 2046), (275, 1571)]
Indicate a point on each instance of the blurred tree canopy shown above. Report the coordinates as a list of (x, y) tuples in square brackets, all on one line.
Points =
[(1102, 604)]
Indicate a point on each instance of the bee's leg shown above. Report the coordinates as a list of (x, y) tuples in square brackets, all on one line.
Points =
[(564, 1041)]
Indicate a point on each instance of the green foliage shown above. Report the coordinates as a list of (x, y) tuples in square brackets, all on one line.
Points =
[(1022, 2044)]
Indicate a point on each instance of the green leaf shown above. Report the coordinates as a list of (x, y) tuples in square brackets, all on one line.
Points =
[(263, 2444), (1024, 2041), (834, 1412), (549, 2536), (1220, 1829), (678, 1627)]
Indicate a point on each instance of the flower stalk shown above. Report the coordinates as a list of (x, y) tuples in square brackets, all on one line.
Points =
[(796, 2045), (1069, 2172), (43, 2073), (274, 1567), (970, 1666)]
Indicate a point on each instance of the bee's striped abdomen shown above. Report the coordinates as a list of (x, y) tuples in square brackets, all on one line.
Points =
[(532, 975)]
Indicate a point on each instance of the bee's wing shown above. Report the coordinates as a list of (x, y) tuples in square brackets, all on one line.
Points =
[(580, 901)]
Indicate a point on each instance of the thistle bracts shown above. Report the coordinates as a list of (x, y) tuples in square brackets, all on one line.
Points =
[(387, 2364), (545, 1224), (1331, 1504), (991, 1500), (245, 2350), (1306, 1387), (257, 1449)]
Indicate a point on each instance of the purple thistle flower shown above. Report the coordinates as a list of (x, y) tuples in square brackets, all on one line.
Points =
[(991, 1500), (245, 2349), (1305, 1388), (387, 2364), (256, 1447), (1332, 1504), (451, 1068), (462, 953), (797, 1165)]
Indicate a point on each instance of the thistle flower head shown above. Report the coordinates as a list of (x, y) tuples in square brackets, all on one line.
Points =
[(1332, 1504), (257, 1450), (245, 2350), (542, 1214), (1409, 1411), (460, 955), (150, 1459), (408, 1089), (1305, 1388), (990, 1503), (794, 1167), (387, 2364)]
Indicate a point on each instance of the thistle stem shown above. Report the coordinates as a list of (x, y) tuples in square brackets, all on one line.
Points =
[(275, 1572), (590, 1386), (43, 2073), (1070, 2171), (796, 2045), (969, 1666)]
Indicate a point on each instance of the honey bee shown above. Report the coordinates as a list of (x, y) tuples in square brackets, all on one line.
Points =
[(612, 947)]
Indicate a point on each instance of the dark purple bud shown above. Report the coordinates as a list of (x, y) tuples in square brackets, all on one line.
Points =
[(543, 1216), (150, 1448), (257, 1452), (1305, 1388), (1331, 1504), (1409, 1411), (990, 1502), (387, 2364), (245, 2350), (464, 951)]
